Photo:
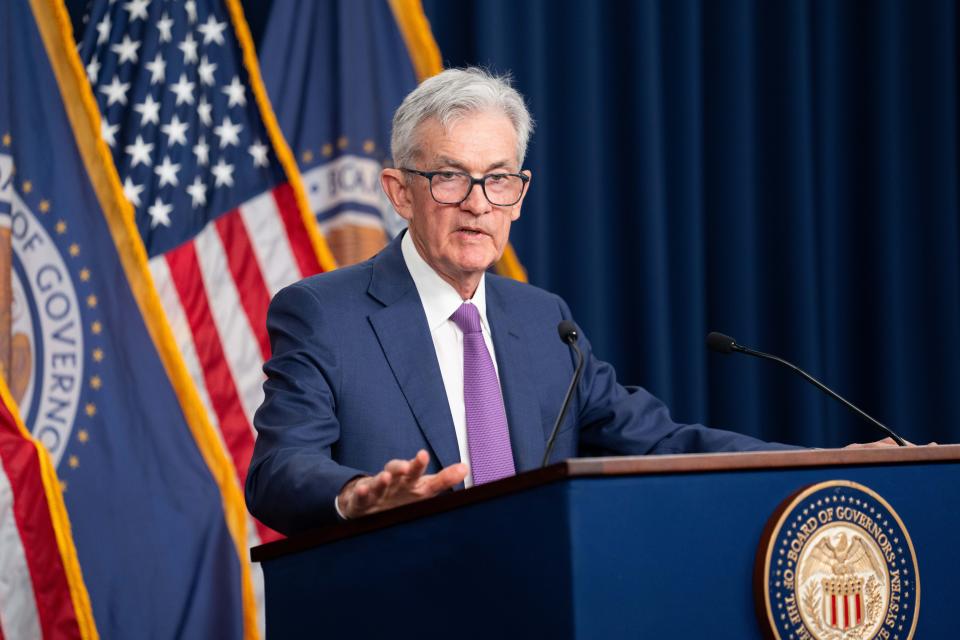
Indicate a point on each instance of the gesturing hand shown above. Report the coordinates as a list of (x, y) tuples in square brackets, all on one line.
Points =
[(400, 482)]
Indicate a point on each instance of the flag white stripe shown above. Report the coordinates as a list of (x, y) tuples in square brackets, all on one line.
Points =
[(240, 346), (18, 608), (261, 218), (170, 300)]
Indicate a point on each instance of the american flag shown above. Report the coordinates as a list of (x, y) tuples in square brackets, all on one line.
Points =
[(213, 185)]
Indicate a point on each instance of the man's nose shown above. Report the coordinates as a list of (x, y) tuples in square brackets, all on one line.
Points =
[(476, 201)]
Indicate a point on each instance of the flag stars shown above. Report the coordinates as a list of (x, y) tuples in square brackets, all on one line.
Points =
[(103, 30), (132, 191), (92, 301), (63, 486), (93, 70), (95, 383), (116, 91), (197, 192), (223, 174), (96, 327), (126, 50), (189, 49), (149, 111), (27, 186), (202, 151), (90, 409), (164, 26), (85, 274), (342, 142), (61, 227), (74, 250), (205, 71), (228, 132), (159, 213), (183, 90), (44, 206), (83, 436), (167, 173), (212, 31), (327, 150), (137, 9), (235, 93), (259, 152), (7, 140), (175, 131), (108, 131), (307, 156), (73, 461), (139, 152), (191, 8), (97, 355), (369, 146), (205, 111), (158, 69)]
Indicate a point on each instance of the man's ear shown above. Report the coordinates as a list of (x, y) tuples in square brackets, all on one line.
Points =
[(515, 211), (394, 184)]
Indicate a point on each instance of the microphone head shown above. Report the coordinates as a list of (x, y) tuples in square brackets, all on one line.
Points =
[(720, 343), (567, 331)]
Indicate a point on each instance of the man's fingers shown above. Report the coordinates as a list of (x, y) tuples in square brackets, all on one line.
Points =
[(444, 479)]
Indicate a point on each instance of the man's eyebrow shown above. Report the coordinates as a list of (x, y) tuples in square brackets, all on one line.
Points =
[(444, 161)]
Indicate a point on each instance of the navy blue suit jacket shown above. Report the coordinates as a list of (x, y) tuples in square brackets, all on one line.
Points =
[(354, 382)]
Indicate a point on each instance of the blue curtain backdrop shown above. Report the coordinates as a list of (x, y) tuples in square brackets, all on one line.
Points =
[(785, 172)]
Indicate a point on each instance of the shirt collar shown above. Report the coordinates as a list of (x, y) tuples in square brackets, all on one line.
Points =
[(439, 299)]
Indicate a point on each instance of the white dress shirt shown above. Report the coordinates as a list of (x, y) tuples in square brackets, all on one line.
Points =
[(439, 301)]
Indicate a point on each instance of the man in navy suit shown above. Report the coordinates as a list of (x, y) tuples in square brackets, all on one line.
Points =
[(373, 364)]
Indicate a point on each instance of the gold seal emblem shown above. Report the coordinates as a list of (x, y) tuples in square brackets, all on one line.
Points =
[(838, 564)]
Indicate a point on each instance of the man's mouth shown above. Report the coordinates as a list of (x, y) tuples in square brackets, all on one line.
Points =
[(470, 231)]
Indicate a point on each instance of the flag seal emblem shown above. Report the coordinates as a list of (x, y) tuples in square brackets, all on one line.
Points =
[(47, 331), (836, 563)]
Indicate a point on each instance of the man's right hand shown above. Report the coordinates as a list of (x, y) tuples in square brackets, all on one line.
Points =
[(400, 482)]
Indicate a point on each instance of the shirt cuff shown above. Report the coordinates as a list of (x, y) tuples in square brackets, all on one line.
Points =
[(336, 506)]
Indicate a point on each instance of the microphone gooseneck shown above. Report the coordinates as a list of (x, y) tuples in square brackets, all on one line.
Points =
[(725, 344), (568, 334)]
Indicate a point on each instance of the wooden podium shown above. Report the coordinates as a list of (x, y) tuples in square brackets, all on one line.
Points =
[(645, 547)]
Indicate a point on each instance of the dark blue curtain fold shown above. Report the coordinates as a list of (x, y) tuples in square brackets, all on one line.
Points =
[(785, 172)]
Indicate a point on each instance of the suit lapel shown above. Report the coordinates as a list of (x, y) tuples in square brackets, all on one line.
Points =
[(401, 328), (516, 380)]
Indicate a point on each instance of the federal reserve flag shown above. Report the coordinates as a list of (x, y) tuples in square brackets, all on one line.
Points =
[(336, 71), (215, 190), (156, 512)]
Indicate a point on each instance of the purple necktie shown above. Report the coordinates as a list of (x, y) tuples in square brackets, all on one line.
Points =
[(488, 439)]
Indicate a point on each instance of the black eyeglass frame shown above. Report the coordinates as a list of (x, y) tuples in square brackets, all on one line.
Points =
[(473, 181)]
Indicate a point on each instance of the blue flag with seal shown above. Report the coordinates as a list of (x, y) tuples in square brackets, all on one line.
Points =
[(156, 514), (335, 72)]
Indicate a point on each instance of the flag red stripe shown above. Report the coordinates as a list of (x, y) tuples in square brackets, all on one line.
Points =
[(833, 610), (297, 234), (846, 612), (245, 271), (185, 271), (234, 426), (32, 514), (859, 614)]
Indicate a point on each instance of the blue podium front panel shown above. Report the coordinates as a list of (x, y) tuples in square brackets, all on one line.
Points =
[(642, 556), (673, 556)]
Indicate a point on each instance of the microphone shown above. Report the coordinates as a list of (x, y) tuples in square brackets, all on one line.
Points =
[(725, 344), (568, 334)]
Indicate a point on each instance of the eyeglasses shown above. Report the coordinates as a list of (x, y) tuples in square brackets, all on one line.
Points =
[(453, 187)]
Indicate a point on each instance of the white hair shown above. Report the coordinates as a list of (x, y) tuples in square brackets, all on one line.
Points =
[(451, 95)]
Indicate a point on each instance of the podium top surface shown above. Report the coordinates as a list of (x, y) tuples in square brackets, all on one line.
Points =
[(614, 466)]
